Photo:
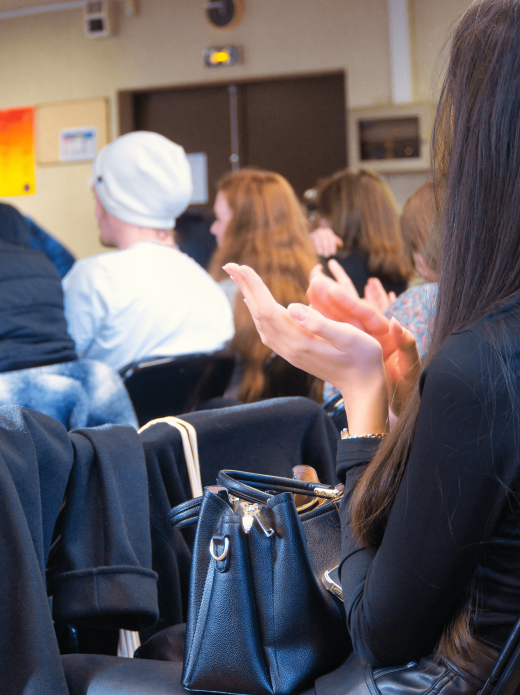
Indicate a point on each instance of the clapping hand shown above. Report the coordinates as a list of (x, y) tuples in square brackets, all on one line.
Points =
[(349, 358), (400, 355)]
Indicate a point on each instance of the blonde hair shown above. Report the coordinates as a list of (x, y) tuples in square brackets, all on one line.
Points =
[(268, 232), (360, 208)]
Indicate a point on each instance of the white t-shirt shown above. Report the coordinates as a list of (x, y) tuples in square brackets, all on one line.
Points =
[(148, 300)]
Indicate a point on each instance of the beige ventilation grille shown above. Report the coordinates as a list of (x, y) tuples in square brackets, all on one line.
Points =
[(96, 19)]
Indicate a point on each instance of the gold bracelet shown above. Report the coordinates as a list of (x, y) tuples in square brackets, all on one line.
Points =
[(345, 434)]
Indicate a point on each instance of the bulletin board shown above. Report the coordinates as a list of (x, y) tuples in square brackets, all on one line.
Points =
[(17, 151), (53, 119)]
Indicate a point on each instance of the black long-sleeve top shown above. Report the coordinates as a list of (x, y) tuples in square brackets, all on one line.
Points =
[(455, 522)]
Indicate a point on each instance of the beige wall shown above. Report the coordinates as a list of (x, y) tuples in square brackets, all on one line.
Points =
[(47, 58)]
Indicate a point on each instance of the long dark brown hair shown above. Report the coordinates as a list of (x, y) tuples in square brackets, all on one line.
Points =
[(361, 210), (269, 233), (476, 163)]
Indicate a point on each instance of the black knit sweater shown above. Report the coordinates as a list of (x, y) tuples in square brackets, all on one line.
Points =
[(455, 522)]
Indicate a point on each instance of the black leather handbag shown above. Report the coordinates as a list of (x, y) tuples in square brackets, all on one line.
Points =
[(260, 620)]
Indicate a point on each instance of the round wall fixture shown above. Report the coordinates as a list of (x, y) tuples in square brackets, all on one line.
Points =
[(223, 14)]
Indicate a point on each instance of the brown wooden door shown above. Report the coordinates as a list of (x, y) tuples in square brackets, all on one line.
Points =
[(293, 125), (197, 119)]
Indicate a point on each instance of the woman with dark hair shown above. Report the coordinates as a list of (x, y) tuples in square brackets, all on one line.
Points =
[(259, 222), (431, 517), (361, 211)]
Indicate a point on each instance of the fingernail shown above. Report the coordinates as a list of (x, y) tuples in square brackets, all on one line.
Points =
[(397, 324), (298, 313)]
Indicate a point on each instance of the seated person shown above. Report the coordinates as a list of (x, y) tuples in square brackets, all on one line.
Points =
[(360, 210), (38, 362), (415, 308), (259, 222), (33, 329), (55, 251), (147, 299), (418, 220), (31, 234)]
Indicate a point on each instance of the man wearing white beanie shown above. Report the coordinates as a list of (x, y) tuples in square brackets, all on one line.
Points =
[(146, 299)]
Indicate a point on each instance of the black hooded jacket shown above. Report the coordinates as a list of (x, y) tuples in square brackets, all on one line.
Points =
[(33, 328)]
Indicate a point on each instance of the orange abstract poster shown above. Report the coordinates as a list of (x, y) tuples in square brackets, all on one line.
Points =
[(17, 151)]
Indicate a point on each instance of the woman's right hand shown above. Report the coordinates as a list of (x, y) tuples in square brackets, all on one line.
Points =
[(400, 354), (325, 242)]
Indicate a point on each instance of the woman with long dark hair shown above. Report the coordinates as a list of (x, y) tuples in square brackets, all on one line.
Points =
[(431, 519)]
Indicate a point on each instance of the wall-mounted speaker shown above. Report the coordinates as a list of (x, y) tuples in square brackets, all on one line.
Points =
[(96, 18)]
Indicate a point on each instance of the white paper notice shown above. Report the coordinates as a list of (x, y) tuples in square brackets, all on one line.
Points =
[(199, 172), (78, 144)]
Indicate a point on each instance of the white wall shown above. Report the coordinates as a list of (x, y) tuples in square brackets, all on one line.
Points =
[(46, 58)]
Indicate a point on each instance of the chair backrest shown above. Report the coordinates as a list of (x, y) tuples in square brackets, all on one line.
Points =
[(283, 380), (335, 409), (161, 386)]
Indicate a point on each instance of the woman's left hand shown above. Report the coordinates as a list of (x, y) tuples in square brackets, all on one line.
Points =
[(336, 352), (400, 354)]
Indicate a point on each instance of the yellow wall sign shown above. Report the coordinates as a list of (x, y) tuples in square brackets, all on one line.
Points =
[(17, 152)]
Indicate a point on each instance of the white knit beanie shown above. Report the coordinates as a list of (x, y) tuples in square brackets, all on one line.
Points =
[(144, 179)]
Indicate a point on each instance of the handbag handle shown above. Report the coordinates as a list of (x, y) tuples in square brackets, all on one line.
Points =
[(252, 486), (187, 513)]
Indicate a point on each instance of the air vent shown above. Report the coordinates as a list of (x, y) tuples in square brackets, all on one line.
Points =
[(94, 7), (97, 19)]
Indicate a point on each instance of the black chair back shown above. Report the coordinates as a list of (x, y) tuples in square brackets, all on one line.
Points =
[(162, 386), (283, 380)]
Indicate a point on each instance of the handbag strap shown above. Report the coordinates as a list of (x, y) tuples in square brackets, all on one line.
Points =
[(255, 487), (190, 446)]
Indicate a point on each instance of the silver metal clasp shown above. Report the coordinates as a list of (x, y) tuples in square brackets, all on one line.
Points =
[(221, 557), (324, 492), (251, 513)]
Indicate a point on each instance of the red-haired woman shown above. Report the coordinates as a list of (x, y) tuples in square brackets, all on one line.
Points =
[(259, 223)]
